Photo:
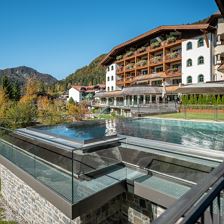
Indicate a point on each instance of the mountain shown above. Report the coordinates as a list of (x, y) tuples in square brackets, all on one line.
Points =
[(91, 74), (22, 73)]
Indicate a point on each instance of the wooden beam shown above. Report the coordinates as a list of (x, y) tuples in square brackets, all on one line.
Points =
[(220, 4), (206, 37)]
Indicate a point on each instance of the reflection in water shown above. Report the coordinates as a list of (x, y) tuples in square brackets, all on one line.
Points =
[(192, 134)]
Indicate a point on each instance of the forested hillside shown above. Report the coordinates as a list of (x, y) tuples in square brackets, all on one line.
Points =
[(91, 74)]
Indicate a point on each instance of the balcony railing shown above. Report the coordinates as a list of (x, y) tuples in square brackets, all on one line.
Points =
[(173, 55), (152, 48), (156, 60), (204, 203)]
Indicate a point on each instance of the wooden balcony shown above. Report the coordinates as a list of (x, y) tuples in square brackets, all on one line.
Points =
[(120, 82), (120, 70), (156, 61), (149, 49), (172, 57), (173, 73)]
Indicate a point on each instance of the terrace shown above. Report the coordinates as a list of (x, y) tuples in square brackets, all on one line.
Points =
[(79, 172)]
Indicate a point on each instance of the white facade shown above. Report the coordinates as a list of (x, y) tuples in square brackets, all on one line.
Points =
[(193, 54), (219, 51), (75, 94), (111, 78)]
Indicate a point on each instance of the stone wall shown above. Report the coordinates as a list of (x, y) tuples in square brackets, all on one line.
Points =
[(125, 208)]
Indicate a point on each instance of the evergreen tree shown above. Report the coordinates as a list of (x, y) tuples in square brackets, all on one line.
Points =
[(7, 87), (16, 94), (200, 99), (195, 99), (191, 100), (204, 99), (214, 101), (208, 99), (219, 101), (223, 99)]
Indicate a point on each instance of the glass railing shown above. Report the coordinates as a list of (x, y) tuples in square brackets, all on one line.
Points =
[(69, 172)]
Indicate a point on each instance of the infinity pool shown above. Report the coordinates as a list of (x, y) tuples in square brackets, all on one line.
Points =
[(205, 135)]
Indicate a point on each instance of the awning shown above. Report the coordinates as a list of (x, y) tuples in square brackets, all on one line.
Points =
[(203, 88)]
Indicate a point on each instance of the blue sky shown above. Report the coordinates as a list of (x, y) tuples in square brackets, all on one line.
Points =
[(59, 36)]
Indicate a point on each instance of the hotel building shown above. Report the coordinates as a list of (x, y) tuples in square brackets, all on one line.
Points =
[(157, 62)]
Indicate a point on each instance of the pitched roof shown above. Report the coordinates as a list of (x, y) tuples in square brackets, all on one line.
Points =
[(130, 91), (220, 4), (202, 88), (116, 49)]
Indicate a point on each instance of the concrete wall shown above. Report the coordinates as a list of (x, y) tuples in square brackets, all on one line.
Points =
[(195, 70), (125, 208)]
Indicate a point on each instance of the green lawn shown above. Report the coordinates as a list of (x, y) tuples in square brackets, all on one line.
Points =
[(193, 116)]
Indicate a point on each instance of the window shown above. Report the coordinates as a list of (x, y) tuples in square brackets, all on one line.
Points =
[(112, 88), (189, 79), (201, 42), (112, 68), (108, 78), (201, 78), (108, 69), (200, 60), (112, 78), (189, 62), (157, 83), (176, 81), (108, 88), (189, 45)]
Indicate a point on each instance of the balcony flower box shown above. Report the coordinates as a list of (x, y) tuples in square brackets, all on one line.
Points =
[(156, 59), (129, 66), (128, 54), (141, 49), (119, 57), (171, 39), (173, 55), (155, 44), (141, 63)]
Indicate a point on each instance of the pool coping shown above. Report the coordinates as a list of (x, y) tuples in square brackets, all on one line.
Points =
[(83, 142)]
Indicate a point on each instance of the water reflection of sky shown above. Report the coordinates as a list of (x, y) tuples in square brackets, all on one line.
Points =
[(191, 134)]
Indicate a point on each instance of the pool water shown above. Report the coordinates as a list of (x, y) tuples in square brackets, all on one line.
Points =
[(192, 134), (206, 135), (80, 131)]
